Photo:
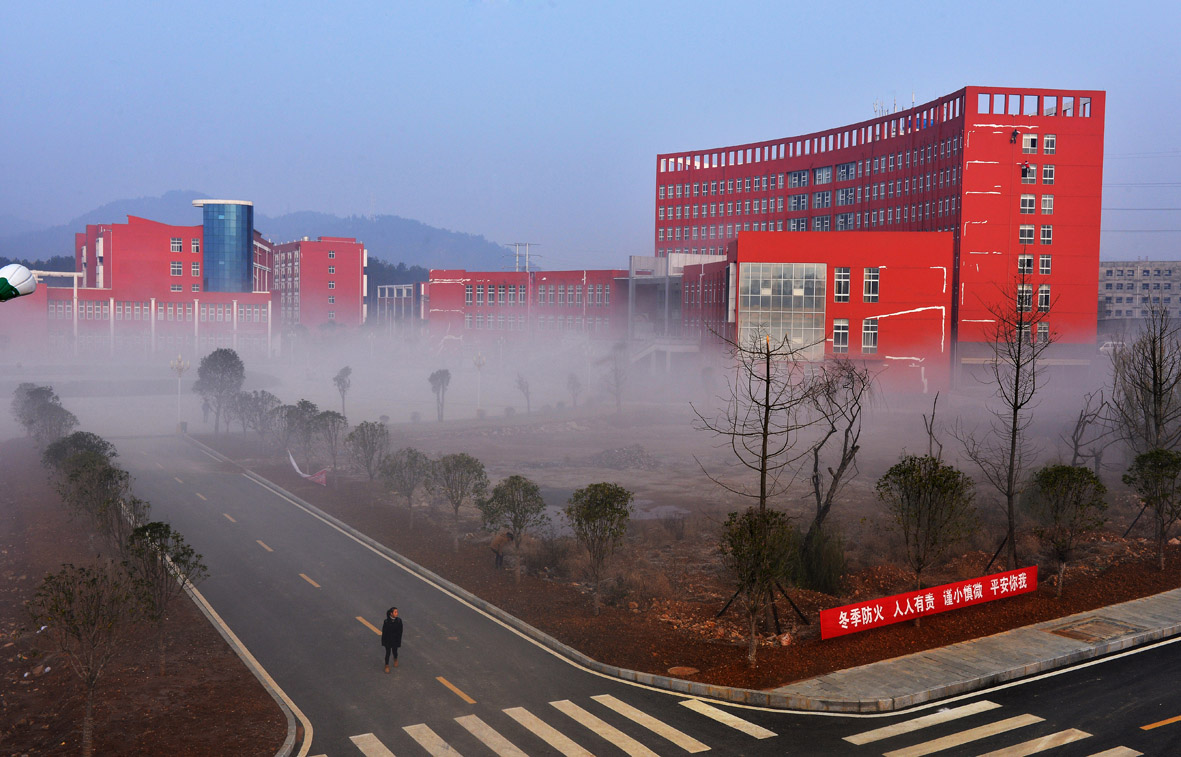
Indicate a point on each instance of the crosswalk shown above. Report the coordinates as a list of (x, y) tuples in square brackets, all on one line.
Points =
[(566, 728), (1004, 724), (570, 728)]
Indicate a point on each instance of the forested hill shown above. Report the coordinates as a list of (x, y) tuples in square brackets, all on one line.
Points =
[(387, 237)]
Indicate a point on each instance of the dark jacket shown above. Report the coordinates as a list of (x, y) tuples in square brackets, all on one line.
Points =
[(391, 632)]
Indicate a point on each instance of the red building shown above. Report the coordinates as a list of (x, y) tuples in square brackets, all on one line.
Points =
[(882, 298), (320, 282), (463, 303), (1015, 176)]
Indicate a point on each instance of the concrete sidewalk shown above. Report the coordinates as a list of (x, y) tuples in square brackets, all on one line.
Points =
[(973, 665)]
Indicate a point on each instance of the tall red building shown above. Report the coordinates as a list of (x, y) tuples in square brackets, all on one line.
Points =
[(1014, 175), (321, 281)]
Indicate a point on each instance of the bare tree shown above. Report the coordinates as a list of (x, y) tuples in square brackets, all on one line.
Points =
[(599, 514), (1146, 385), (1093, 432), (86, 613), (1068, 503), (302, 420), (440, 380), (616, 376), (459, 477), (574, 386), (934, 446), (930, 504), (367, 445), (331, 427), (164, 565), (343, 380), (1019, 335), (523, 388), (841, 390), (1156, 477), (403, 472), (516, 505)]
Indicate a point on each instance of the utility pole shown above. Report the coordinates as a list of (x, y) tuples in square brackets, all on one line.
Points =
[(517, 255)]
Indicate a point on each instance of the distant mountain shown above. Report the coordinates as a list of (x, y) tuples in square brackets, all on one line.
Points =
[(14, 225), (390, 238)]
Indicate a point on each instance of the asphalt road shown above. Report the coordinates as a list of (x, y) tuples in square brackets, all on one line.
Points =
[(306, 599)]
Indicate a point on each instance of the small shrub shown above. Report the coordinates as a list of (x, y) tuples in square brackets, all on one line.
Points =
[(550, 553), (561, 406), (510, 411), (823, 566)]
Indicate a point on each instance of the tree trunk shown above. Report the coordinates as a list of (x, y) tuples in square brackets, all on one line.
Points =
[(160, 644), (88, 724), (1061, 577), (754, 641), (596, 602), (1160, 546), (918, 586), (410, 510)]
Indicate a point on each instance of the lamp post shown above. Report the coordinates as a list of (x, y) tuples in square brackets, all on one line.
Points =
[(479, 362), (179, 365)]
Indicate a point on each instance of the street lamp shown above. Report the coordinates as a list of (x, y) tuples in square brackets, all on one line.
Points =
[(179, 365), (479, 362)]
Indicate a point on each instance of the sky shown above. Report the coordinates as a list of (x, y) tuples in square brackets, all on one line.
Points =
[(534, 121)]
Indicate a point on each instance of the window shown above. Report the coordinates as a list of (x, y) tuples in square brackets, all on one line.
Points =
[(467, 294), (821, 223), (822, 200), (1043, 298), (1049, 144), (196, 269), (331, 315), (331, 269), (176, 288), (1025, 264), (869, 336), (1047, 235), (1024, 298), (1044, 266), (177, 268), (331, 299), (1029, 173), (1029, 143), (196, 287), (870, 288), (500, 294), (1028, 204), (1047, 174), (331, 254), (1025, 234), (797, 179), (1043, 331), (797, 202), (840, 285), (840, 335), (196, 244), (175, 244), (332, 285), (1047, 205), (823, 175)]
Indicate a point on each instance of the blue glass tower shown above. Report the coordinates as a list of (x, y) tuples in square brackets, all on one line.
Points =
[(228, 252)]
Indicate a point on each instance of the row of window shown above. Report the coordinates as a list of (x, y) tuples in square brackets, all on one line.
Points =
[(851, 171), (176, 244), (1145, 300), (501, 322), (177, 268), (142, 311), (1131, 313), (869, 336), (1025, 234), (547, 294), (1029, 144), (1145, 286), (1025, 298), (913, 213), (1025, 264), (1029, 173), (869, 289), (1029, 204), (1132, 272)]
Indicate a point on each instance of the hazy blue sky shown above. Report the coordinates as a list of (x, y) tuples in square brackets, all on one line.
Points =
[(529, 121)]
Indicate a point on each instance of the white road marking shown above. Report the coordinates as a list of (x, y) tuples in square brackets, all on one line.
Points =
[(489, 737), (1033, 746), (370, 746), (607, 731), (963, 737), (1118, 751), (430, 741), (546, 732), (727, 718), (907, 726), (681, 739)]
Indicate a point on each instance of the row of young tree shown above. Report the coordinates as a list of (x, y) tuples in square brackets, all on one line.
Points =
[(85, 613), (787, 419)]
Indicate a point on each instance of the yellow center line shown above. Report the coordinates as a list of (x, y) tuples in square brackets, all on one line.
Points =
[(458, 693), (304, 576), (202, 496), (174, 478), (1158, 724), (268, 549), (369, 625), (231, 520), (158, 465)]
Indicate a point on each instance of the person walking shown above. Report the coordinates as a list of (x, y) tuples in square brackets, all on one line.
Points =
[(391, 636), (500, 543)]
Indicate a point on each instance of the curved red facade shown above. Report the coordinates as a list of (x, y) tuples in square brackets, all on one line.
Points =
[(1015, 175)]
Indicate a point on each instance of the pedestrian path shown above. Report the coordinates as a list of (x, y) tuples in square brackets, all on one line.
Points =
[(967, 731), (969, 666)]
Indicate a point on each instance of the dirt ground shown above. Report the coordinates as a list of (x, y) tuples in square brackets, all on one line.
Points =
[(664, 595)]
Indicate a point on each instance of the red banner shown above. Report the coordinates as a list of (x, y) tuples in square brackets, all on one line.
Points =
[(883, 611)]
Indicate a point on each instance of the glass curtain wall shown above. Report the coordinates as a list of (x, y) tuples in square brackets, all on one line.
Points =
[(783, 300)]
